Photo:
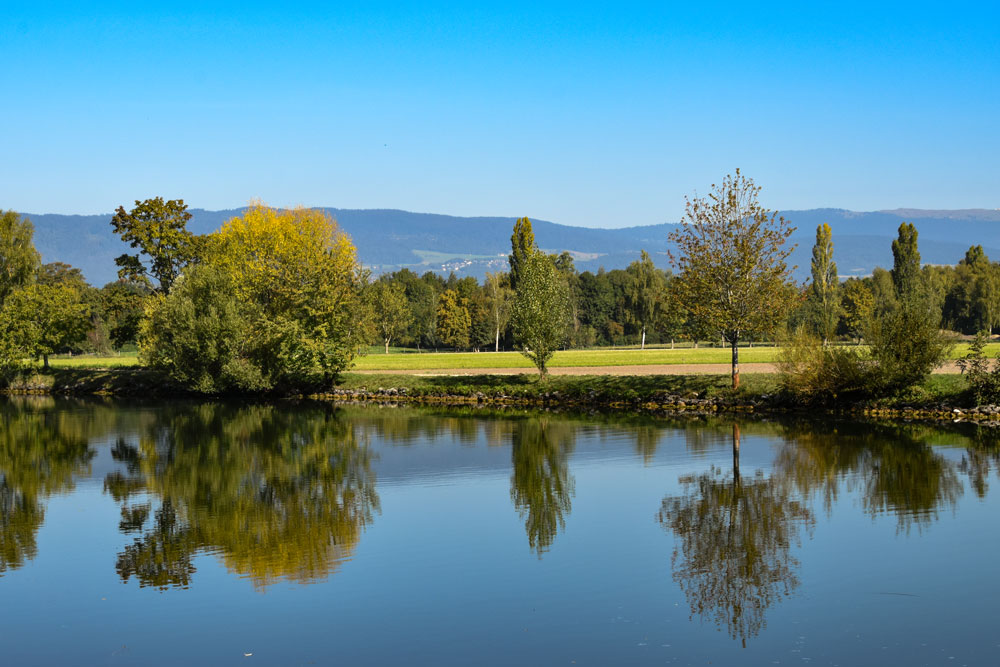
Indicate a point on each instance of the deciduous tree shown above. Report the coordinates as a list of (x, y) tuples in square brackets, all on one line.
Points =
[(158, 229), (18, 257), (538, 313), (389, 310), (731, 259), (645, 292)]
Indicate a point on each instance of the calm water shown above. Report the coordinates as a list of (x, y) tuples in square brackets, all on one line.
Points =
[(182, 533)]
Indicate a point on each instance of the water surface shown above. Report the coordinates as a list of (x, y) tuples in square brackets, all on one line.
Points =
[(286, 534)]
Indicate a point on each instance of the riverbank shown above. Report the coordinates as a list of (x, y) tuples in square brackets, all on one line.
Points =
[(941, 397)]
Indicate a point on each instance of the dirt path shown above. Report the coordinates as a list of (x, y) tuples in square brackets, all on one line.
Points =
[(648, 369)]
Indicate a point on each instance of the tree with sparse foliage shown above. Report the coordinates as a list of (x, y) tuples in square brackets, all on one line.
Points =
[(158, 229), (823, 298), (539, 310), (18, 258), (644, 293), (498, 295), (731, 254), (522, 244), (389, 310)]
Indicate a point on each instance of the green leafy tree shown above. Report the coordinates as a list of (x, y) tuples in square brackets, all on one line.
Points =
[(522, 245), (539, 310), (498, 297), (906, 262), (644, 293), (45, 319), (858, 306), (60, 273), (18, 258), (453, 320), (731, 257), (823, 299), (122, 306), (390, 310), (158, 229)]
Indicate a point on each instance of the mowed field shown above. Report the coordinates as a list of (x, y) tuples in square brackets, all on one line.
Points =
[(595, 358)]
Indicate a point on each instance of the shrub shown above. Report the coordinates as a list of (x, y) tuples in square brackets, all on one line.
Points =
[(905, 345), (823, 374), (983, 377)]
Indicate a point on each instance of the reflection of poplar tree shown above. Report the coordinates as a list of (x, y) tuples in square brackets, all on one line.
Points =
[(541, 486), (733, 560)]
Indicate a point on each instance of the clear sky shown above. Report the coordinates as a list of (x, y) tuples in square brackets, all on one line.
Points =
[(596, 115)]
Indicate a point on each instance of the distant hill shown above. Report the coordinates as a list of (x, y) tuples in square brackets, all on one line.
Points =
[(388, 239)]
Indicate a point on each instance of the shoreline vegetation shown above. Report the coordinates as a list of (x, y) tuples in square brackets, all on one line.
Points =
[(276, 304), (939, 398)]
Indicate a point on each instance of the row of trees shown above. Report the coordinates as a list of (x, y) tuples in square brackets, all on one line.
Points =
[(276, 297)]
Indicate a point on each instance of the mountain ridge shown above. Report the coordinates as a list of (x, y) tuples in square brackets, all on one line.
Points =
[(389, 239)]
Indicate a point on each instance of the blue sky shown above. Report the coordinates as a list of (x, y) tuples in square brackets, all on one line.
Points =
[(596, 115)]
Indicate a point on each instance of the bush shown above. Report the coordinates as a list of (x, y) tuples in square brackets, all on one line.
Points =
[(906, 346), (823, 374), (200, 337), (982, 376)]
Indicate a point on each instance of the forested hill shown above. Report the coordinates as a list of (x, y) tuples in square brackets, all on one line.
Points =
[(389, 239)]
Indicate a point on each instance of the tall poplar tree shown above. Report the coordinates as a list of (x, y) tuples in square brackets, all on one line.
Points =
[(825, 288), (522, 244), (906, 262)]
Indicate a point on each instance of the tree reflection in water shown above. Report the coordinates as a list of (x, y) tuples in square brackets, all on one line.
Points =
[(892, 468), (275, 493), (733, 556), (42, 450), (541, 486)]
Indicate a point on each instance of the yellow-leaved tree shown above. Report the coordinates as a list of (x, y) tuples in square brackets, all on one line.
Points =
[(275, 303)]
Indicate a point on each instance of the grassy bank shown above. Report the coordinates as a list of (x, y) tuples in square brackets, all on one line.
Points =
[(411, 361), (934, 399)]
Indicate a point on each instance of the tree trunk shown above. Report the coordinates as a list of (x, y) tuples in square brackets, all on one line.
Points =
[(671, 343), (387, 346), (496, 347), (736, 452), (45, 361), (642, 346), (736, 363)]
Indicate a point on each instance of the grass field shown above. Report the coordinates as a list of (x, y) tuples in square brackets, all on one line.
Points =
[(459, 360)]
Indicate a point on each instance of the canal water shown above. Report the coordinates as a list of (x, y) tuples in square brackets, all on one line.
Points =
[(305, 533)]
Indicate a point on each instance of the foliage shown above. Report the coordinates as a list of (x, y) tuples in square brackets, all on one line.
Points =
[(498, 296), (122, 306), (18, 257), (983, 377), (905, 261), (158, 229), (858, 306), (45, 319), (453, 320), (906, 345), (390, 311), (202, 336), (541, 487), (814, 372), (645, 292), (823, 298), (522, 245), (731, 257), (538, 313)]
